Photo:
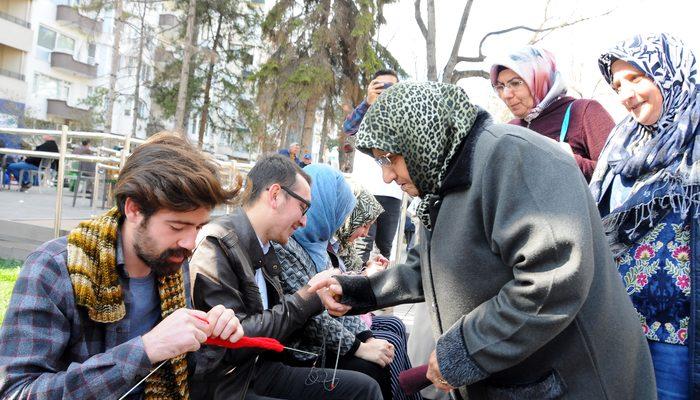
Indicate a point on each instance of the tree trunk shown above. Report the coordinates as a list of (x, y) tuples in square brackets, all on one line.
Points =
[(326, 128), (207, 87), (139, 65), (116, 46), (429, 36), (307, 133), (184, 72)]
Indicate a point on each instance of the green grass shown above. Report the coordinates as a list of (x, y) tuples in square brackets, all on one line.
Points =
[(9, 270)]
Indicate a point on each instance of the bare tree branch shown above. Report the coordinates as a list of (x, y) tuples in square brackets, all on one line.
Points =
[(419, 20), (452, 62), (471, 59), (526, 28), (459, 75)]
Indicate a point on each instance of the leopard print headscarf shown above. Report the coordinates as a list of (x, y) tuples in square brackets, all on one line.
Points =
[(425, 122)]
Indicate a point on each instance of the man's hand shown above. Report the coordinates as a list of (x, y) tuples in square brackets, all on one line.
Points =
[(180, 332), (330, 292), (323, 275), (376, 264), (378, 351), (435, 376), (374, 89), (224, 324)]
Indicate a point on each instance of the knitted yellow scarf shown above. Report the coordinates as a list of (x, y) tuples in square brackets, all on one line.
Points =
[(92, 267)]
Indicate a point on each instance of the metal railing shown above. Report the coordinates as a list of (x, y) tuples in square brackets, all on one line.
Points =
[(62, 156), (11, 74), (12, 18)]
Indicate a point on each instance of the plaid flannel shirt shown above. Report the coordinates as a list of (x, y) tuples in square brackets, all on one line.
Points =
[(353, 121), (50, 349)]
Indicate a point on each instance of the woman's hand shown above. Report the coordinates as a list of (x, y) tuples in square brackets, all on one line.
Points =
[(378, 351)]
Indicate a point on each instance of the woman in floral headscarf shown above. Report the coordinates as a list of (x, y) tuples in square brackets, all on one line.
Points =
[(528, 82), (647, 185)]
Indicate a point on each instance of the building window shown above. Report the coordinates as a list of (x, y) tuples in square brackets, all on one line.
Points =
[(92, 50), (50, 40), (129, 107), (51, 88)]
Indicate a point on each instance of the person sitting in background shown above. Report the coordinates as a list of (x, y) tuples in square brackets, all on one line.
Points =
[(306, 160), (33, 163), (529, 83), (293, 153), (647, 186), (86, 167)]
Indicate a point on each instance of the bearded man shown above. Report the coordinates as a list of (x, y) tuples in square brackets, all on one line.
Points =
[(94, 312)]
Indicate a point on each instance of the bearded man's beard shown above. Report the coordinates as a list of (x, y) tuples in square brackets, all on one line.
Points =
[(159, 263)]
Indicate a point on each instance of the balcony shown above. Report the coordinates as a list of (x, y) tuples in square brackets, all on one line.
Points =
[(12, 86), (67, 63), (70, 16), (61, 109), (167, 20), (15, 32)]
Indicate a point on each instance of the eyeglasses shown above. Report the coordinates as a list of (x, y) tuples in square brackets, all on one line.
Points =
[(512, 85), (307, 204), (383, 161)]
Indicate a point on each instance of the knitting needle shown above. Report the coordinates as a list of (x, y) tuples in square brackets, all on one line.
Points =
[(143, 380), (335, 369)]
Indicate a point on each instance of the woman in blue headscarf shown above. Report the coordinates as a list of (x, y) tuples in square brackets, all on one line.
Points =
[(647, 186), (303, 256)]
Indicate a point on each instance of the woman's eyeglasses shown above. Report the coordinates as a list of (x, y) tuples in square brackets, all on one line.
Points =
[(513, 84), (383, 161)]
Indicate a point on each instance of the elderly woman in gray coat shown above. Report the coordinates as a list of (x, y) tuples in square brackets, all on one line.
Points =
[(513, 263)]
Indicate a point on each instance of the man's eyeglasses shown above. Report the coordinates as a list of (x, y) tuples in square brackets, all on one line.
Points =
[(383, 161), (307, 204), (513, 84)]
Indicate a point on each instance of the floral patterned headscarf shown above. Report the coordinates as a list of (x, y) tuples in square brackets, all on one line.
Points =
[(538, 68), (666, 161)]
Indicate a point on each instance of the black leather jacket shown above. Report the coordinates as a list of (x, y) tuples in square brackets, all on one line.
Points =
[(222, 271)]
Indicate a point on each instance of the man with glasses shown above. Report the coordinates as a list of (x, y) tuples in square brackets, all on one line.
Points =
[(235, 265)]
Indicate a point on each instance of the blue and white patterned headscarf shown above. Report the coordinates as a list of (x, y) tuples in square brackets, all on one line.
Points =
[(665, 164)]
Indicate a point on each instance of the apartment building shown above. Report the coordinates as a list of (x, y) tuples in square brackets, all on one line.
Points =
[(63, 62), (15, 43), (55, 55)]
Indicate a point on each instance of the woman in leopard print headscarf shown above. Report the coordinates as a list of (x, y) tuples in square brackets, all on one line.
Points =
[(512, 259)]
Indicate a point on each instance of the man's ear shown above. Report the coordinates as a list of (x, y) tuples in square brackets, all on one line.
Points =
[(132, 211), (273, 195)]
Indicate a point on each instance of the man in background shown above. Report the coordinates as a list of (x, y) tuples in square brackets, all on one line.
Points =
[(365, 170)]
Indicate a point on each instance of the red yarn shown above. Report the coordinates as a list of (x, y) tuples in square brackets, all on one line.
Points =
[(264, 343)]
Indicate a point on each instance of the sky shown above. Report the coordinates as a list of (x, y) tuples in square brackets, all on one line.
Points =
[(576, 48)]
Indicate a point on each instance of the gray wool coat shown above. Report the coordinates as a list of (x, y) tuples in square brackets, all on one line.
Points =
[(524, 296)]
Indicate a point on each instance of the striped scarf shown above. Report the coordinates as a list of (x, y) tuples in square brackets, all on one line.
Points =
[(92, 268)]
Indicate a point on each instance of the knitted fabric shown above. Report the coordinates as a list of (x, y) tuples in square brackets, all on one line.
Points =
[(92, 267)]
